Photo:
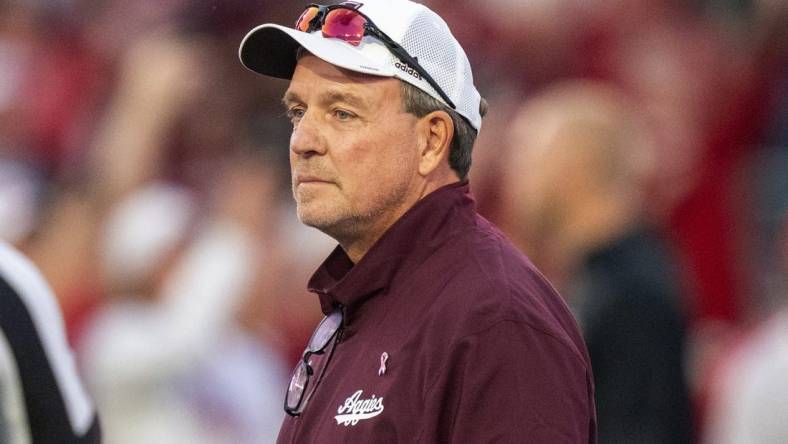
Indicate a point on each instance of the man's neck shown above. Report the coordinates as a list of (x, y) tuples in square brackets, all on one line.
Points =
[(358, 241), (357, 246), (357, 249)]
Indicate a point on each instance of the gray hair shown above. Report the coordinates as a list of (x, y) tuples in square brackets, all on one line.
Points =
[(419, 103)]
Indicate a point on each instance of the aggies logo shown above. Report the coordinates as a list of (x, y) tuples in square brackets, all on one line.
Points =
[(356, 409)]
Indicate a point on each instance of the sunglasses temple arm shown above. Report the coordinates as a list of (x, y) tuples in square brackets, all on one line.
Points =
[(404, 56)]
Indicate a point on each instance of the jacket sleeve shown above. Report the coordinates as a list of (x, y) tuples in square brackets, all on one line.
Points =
[(511, 384)]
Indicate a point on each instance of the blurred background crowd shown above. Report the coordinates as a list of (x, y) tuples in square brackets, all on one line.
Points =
[(637, 151)]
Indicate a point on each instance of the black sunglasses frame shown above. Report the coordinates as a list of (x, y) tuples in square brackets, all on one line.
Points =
[(370, 28), (304, 365)]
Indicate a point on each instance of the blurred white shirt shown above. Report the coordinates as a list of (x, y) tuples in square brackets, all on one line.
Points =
[(178, 370), (752, 403)]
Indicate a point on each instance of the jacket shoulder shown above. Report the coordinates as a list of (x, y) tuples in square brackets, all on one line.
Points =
[(491, 281)]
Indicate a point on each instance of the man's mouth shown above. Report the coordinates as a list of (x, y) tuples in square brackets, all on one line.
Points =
[(311, 180)]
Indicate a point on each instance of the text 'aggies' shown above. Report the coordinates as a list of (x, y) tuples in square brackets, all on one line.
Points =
[(356, 409)]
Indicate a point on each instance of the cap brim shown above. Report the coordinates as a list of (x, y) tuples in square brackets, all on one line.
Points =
[(270, 50)]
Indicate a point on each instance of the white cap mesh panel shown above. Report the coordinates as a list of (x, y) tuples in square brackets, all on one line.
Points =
[(442, 57), (436, 56)]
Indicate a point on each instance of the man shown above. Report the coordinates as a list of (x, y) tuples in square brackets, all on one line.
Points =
[(41, 397), (579, 212), (437, 329)]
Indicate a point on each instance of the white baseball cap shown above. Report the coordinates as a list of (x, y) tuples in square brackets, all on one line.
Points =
[(270, 49)]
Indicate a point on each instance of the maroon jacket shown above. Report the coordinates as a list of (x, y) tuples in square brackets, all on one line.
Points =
[(480, 347)]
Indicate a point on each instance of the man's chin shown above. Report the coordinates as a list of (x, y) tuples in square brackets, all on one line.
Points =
[(330, 223), (316, 219)]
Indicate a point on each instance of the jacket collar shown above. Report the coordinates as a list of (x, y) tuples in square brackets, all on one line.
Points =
[(409, 241)]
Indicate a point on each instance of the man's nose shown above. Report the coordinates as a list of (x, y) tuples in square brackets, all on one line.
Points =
[(307, 139)]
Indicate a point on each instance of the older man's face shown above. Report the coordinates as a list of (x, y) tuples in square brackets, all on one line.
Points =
[(353, 151)]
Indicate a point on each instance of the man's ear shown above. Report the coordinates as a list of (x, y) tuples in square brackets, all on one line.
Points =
[(436, 131)]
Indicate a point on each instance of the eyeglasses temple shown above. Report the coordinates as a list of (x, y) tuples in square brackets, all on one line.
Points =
[(404, 56)]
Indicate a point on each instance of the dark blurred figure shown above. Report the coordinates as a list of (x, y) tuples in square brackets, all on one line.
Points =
[(579, 160), (41, 396)]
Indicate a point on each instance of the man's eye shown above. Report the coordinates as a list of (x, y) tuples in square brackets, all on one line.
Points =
[(343, 115), (295, 114)]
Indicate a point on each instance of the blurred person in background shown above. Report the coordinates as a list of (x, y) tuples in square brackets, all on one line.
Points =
[(170, 354), (574, 182), (749, 400), (437, 329), (166, 357), (21, 187), (41, 396)]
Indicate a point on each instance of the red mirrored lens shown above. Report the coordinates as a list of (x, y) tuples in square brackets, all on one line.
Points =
[(344, 24), (309, 14)]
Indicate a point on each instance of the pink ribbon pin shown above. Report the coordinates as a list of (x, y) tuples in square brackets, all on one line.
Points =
[(383, 358)]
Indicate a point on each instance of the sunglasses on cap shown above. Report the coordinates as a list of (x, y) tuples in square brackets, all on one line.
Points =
[(347, 24)]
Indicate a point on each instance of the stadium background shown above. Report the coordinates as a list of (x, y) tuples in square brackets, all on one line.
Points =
[(129, 132)]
